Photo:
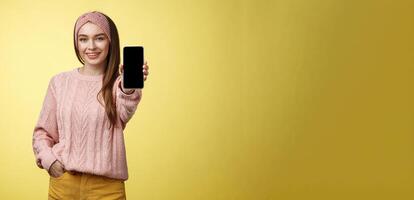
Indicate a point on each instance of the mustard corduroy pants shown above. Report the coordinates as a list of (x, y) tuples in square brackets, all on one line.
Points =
[(82, 186)]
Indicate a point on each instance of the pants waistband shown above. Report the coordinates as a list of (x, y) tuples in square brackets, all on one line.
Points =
[(75, 172)]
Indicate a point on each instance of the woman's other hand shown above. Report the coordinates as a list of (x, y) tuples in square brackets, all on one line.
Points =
[(56, 169)]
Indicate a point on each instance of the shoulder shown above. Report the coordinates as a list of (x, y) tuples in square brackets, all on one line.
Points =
[(60, 77), (63, 74)]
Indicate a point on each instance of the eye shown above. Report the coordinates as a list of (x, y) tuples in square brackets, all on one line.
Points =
[(101, 38), (82, 39)]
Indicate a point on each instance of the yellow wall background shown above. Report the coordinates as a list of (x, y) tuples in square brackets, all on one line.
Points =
[(278, 99)]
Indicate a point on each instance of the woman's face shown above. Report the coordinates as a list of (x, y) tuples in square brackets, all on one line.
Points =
[(93, 44)]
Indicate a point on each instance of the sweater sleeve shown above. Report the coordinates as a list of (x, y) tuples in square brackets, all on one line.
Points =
[(45, 133), (126, 103)]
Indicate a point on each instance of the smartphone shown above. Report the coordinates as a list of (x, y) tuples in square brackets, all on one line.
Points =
[(133, 65)]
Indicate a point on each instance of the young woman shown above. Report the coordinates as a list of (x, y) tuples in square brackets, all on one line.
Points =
[(78, 138)]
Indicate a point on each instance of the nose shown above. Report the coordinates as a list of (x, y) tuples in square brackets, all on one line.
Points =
[(91, 44)]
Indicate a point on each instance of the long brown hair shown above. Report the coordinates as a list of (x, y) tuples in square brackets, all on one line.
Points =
[(111, 72)]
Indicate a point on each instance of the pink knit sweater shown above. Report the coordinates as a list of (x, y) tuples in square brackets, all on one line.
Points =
[(74, 129)]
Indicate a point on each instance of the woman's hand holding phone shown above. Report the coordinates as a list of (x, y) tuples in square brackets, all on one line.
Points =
[(144, 70)]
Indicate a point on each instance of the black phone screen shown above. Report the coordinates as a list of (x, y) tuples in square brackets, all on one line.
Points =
[(133, 62)]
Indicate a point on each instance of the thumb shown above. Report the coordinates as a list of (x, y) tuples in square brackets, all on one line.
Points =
[(39, 164)]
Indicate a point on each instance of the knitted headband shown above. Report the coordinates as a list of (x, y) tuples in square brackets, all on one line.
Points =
[(95, 17)]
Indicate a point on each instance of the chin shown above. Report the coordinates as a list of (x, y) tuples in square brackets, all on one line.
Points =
[(94, 61)]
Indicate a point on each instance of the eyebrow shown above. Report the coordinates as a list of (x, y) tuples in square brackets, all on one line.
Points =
[(95, 35)]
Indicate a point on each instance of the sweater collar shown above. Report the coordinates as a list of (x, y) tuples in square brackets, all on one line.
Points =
[(78, 75)]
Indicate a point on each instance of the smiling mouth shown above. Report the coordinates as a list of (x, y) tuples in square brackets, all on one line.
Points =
[(92, 55)]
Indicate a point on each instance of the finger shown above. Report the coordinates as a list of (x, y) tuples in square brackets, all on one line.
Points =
[(40, 166), (121, 67), (61, 167), (57, 173)]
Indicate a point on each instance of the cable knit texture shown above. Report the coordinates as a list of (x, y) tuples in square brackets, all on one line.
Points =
[(74, 129)]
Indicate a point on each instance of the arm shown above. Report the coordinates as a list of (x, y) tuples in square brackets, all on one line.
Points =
[(45, 133), (126, 101)]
